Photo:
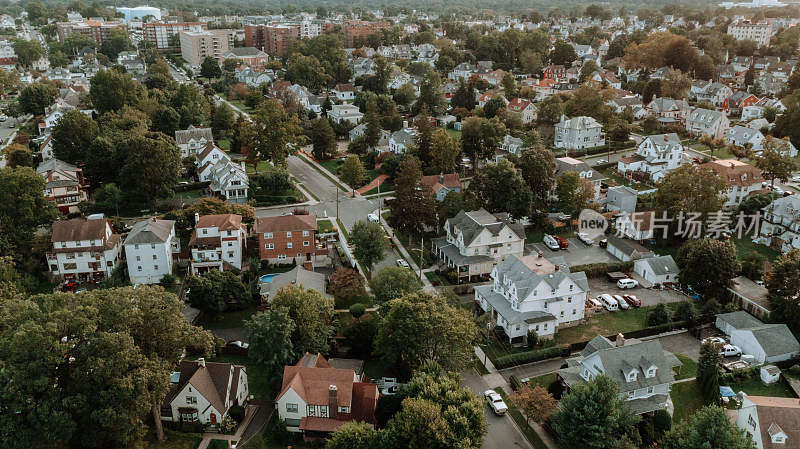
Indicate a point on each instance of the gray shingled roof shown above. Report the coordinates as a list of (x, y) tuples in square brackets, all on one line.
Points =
[(298, 276), (470, 224), (500, 304), (525, 280), (150, 231), (740, 320), (661, 265), (776, 339), (182, 136)]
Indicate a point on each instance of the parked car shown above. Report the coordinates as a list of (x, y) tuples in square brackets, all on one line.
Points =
[(713, 340), (238, 344), (551, 242), (609, 302), (80, 290), (373, 218), (622, 303), (627, 283), (562, 242), (585, 239), (594, 303), (603, 243), (633, 300), (495, 402), (402, 263), (730, 351)]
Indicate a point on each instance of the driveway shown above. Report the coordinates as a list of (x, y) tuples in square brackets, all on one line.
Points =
[(683, 343), (502, 433), (578, 253), (649, 297)]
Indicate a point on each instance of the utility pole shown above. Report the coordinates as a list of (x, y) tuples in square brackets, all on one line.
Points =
[(421, 250), (337, 202), (379, 203)]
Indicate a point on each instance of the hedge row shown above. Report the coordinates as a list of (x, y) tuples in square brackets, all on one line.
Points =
[(522, 358), (594, 270)]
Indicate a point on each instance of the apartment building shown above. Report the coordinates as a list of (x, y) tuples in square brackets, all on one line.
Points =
[(198, 45), (148, 250), (96, 30), (83, 249), (274, 39), (286, 238), (759, 33), (165, 35), (356, 31), (218, 242)]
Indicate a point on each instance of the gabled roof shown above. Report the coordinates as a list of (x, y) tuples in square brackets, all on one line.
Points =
[(222, 221), (183, 136), (152, 230), (662, 265), (470, 224), (55, 165), (740, 320), (778, 415), (447, 180), (79, 229), (211, 381), (286, 223)]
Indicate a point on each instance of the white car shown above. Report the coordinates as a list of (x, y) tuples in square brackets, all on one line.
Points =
[(713, 340), (583, 237), (730, 351), (239, 344), (402, 263), (551, 242), (373, 218), (600, 161), (627, 283), (622, 303), (495, 402)]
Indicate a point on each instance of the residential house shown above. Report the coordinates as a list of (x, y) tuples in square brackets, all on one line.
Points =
[(568, 164), (780, 224), (192, 140), (442, 184), (84, 249), (348, 113), (742, 136), (476, 241), (296, 277), (602, 78), (532, 294), (771, 422), (557, 73), (709, 123), (149, 247), (621, 199), (657, 270), (656, 156), (741, 99), (668, 110), (249, 56), (287, 238), (511, 144), (626, 249), (783, 146), (344, 92), (462, 71), (641, 369), (362, 67), (767, 343), (524, 108), (204, 392), (317, 400), (741, 178), (227, 179), (637, 226), (579, 133), (401, 140), (253, 78), (750, 297), (713, 93), (63, 184), (218, 242)]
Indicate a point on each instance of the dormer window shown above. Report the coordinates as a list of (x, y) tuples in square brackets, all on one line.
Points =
[(632, 376), (651, 372)]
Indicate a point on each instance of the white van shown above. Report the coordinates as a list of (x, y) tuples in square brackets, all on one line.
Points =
[(594, 304), (609, 302), (627, 283)]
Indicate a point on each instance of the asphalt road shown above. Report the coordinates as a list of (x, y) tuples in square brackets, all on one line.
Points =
[(502, 433)]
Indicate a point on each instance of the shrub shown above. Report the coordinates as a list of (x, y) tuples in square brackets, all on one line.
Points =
[(358, 310), (658, 316), (515, 383), (521, 358), (594, 270), (795, 370), (556, 389), (237, 413)]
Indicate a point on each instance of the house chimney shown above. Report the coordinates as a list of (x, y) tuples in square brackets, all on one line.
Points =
[(202, 361), (441, 178), (196, 217), (620, 341), (243, 167), (405, 124), (333, 402)]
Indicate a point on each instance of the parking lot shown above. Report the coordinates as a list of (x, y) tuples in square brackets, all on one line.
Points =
[(649, 297), (578, 253)]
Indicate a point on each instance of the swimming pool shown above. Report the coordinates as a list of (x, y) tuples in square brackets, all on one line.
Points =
[(268, 277)]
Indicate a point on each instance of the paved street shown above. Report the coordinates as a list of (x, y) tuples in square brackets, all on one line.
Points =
[(502, 432)]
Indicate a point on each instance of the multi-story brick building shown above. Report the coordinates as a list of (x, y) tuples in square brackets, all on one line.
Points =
[(97, 31), (355, 31), (165, 35), (83, 249), (274, 39), (217, 243), (198, 45), (281, 239)]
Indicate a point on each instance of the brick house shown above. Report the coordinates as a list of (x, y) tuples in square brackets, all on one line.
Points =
[(286, 238)]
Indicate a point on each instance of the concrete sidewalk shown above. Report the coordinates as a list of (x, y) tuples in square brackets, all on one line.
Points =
[(249, 413)]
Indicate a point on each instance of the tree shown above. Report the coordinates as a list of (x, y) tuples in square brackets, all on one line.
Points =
[(273, 135), (592, 415), (501, 188), (9, 80), (353, 172), (372, 133), (445, 150), (708, 265), (405, 95), (210, 69), (36, 97), (535, 402), (394, 282), (370, 242), (562, 54), (531, 61), (353, 435), (270, 339), (690, 189), (346, 284), (481, 137), (18, 156), (306, 71), (430, 94), (708, 372), (27, 51), (213, 292), (73, 136), (421, 328), (774, 161), (493, 107), (676, 85), (116, 42), (423, 144), (464, 96), (24, 209), (587, 69), (509, 85), (312, 315), (152, 166), (783, 289), (658, 316), (111, 90), (223, 121), (573, 193), (414, 206), (709, 428), (323, 139), (685, 312)]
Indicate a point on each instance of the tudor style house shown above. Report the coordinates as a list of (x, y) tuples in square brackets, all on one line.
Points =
[(148, 250), (578, 133), (83, 249), (742, 179), (286, 238), (771, 422), (568, 164), (533, 294), (656, 155), (63, 184), (780, 224), (204, 392), (476, 241), (218, 242), (193, 140), (708, 123), (642, 369), (316, 399)]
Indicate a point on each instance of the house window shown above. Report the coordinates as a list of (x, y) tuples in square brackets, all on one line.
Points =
[(312, 410), (650, 390), (153, 246), (191, 399), (751, 422), (288, 234), (155, 257), (291, 408), (230, 254), (138, 258), (267, 235), (269, 246), (205, 231), (155, 267), (281, 256), (306, 243), (306, 233), (288, 244), (323, 411), (139, 268)]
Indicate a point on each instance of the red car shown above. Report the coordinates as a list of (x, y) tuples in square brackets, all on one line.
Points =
[(562, 242), (633, 300)]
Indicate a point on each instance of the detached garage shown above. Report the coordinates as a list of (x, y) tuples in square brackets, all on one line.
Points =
[(767, 343), (658, 269)]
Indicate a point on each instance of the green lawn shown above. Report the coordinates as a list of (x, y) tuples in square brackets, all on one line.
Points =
[(543, 381), (453, 132), (607, 324), (263, 384), (194, 193), (324, 226), (745, 245), (754, 387), (619, 180), (387, 186), (689, 368), (333, 165), (224, 144), (527, 430), (229, 320), (479, 367), (175, 440), (218, 444), (687, 399)]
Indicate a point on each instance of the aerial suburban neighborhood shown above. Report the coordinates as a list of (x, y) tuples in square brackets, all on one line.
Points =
[(425, 225)]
